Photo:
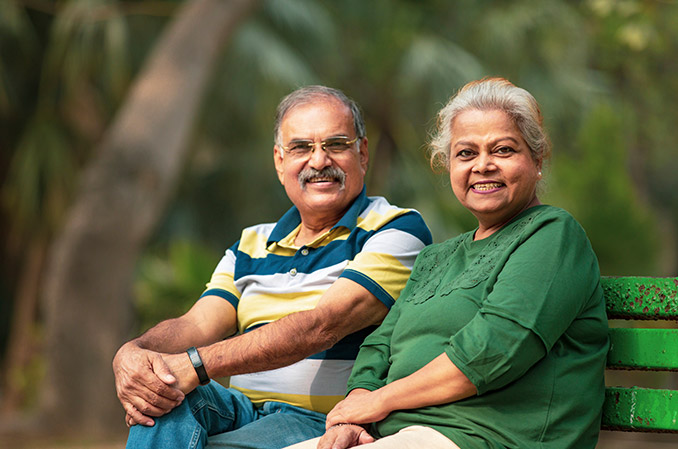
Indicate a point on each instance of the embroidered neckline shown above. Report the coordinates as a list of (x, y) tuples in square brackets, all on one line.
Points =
[(434, 262)]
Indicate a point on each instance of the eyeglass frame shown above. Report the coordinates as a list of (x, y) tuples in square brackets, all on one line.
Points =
[(312, 145)]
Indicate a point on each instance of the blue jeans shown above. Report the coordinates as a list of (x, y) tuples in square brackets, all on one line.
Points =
[(230, 420)]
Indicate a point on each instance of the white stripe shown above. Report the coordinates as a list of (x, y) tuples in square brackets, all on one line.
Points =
[(379, 205), (227, 263), (281, 283), (264, 229), (402, 245), (308, 377)]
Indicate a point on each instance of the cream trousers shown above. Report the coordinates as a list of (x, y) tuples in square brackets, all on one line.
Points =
[(413, 437)]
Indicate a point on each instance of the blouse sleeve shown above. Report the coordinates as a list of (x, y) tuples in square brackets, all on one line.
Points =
[(373, 361), (545, 283)]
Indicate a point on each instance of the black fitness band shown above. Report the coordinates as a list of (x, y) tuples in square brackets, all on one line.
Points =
[(194, 355)]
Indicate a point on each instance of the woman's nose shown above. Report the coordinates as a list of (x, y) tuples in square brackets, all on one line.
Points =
[(483, 163)]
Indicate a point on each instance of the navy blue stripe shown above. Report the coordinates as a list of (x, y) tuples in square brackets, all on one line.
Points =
[(228, 296), (371, 286), (234, 247), (347, 348), (350, 218), (256, 326), (291, 219), (335, 252), (285, 225), (412, 223)]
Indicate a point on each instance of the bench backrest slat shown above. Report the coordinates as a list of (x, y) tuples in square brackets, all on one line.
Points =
[(642, 298), (643, 349), (641, 409)]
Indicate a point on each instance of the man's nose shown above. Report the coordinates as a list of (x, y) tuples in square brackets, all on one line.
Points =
[(319, 158)]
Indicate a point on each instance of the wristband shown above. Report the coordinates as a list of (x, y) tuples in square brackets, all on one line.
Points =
[(194, 355)]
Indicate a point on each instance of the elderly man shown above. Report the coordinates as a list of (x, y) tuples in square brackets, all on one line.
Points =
[(301, 294)]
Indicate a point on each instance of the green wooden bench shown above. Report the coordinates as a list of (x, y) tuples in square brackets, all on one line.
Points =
[(638, 409)]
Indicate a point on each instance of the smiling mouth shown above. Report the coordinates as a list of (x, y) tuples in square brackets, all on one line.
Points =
[(322, 179), (326, 175), (486, 186)]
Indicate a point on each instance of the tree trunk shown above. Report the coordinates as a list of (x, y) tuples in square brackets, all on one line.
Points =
[(87, 290), (22, 346)]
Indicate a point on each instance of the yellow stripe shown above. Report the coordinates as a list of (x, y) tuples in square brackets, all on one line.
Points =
[(322, 404), (384, 269), (223, 281), (260, 309), (253, 244), (375, 220)]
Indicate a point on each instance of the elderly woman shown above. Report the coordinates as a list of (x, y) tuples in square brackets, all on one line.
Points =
[(500, 336)]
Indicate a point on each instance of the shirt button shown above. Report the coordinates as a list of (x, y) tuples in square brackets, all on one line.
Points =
[(293, 272), (304, 252)]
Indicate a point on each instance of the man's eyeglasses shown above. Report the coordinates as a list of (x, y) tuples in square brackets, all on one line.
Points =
[(333, 145)]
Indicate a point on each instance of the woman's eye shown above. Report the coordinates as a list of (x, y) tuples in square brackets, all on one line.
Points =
[(464, 153), (505, 150)]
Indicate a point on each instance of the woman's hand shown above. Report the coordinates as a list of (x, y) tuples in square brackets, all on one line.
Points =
[(360, 407), (344, 436)]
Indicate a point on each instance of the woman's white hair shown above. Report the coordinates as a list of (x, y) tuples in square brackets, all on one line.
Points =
[(486, 95)]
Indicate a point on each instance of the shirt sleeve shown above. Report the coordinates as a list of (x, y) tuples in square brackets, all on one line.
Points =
[(373, 361), (385, 261), (543, 286), (222, 282)]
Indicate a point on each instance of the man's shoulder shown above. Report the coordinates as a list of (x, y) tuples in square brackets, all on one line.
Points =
[(261, 229), (255, 236), (379, 213)]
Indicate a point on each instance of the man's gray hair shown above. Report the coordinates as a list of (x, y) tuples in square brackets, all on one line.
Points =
[(485, 95), (309, 94)]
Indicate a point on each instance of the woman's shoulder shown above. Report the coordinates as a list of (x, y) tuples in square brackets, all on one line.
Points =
[(551, 218), (548, 213)]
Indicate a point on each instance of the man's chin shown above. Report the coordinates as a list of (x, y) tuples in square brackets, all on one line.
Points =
[(324, 200)]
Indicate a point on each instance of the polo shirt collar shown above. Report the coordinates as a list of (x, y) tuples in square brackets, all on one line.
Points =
[(292, 219)]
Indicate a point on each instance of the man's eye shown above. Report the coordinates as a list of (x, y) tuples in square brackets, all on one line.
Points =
[(301, 147), (336, 145)]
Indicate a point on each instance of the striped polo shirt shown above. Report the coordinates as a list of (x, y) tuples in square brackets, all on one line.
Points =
[(266, 277)]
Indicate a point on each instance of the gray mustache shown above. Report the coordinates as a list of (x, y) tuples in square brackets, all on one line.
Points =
[(328, 172)]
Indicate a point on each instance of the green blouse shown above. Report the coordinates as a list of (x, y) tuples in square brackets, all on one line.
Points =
[(521, 314)]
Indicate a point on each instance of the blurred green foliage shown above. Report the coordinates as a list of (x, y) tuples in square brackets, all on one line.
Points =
[(603, 71), (172, 277), (595, 186)]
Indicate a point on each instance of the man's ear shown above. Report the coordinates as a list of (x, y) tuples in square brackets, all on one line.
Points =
[(278, 161), (364, 154)]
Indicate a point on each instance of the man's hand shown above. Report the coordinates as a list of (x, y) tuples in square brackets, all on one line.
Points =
[(144, 384), (344, 436), (360, 407), (181, 367)]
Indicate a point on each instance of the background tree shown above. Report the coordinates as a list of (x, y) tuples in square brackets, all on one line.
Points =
[(124, 188)]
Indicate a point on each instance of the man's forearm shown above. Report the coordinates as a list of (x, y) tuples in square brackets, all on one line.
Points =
[(209, 320), (277, 344), (171, 336)]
